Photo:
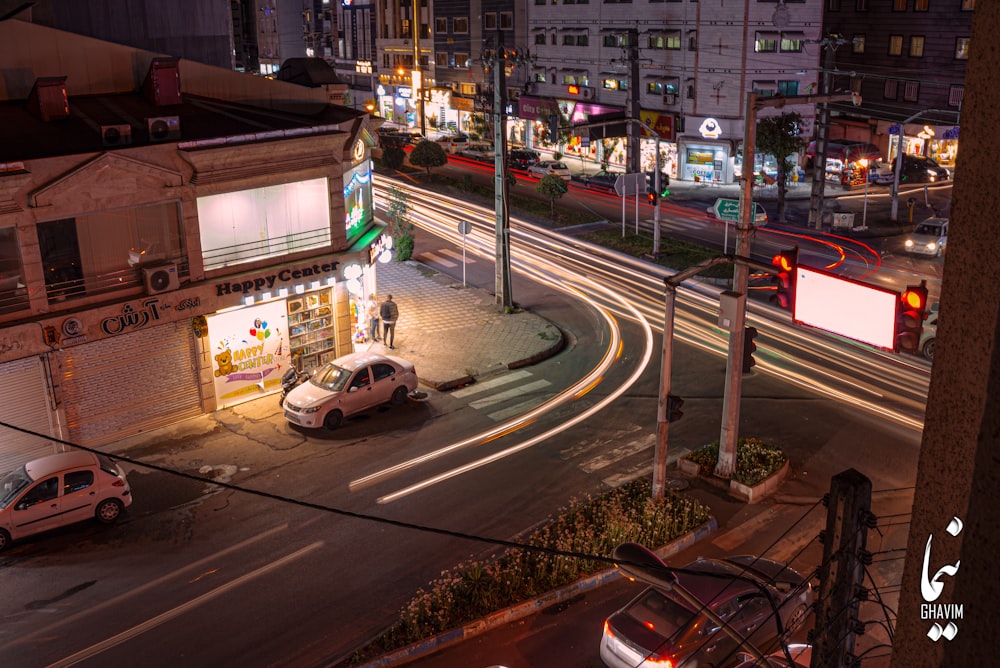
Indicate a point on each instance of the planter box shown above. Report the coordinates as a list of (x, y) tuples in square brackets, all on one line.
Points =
[(747, 493)]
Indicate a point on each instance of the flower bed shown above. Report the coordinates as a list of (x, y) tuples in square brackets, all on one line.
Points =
[(760, 467)]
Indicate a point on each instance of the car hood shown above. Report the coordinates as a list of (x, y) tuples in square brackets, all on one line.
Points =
[(309, 394)]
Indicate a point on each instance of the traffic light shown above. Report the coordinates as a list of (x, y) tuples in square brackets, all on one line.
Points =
[(664, 185), (749, 347), (651, 197), (553, 128), (674, 408), (784, 278), (910, 317)]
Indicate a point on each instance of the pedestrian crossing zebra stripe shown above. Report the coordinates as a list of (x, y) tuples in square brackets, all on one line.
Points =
[(518, 391), (490, 384)]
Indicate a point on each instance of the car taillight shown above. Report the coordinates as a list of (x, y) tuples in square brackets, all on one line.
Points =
[(118, 483)]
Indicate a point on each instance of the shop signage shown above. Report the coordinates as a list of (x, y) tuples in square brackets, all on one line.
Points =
[(533, 108), (260, 283), (662, 123), (404, 91), (132, 319), (710, 129), (381, 245), (462, 104), (248, 346)]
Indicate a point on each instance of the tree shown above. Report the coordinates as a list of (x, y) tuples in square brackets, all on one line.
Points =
[(553, 187), (779, 136), (393, 157), (428, 154), (400, 227)]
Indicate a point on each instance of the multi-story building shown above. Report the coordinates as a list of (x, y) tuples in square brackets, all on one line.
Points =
[(172, 236), (404, 66), (907, 58), (684, 68), (354, 56)]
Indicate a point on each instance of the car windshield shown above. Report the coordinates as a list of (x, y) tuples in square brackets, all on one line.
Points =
[(931, 230), (12, 484), (331, 377)]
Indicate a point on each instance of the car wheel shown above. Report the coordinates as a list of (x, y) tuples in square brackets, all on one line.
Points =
[(928, 349), (333, 419), (4, 540), (796, 619), (108, 511), (399, 396)]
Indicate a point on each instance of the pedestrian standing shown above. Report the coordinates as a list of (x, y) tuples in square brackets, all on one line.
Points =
[(389, 313), (371, 312)]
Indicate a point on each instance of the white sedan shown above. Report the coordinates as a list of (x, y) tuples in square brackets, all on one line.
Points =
[(549, 167), (349, 385)]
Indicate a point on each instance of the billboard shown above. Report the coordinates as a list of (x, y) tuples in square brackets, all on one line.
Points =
[(849, 308)]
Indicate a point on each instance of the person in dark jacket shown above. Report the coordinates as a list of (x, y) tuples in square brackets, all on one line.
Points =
[(389, 313)]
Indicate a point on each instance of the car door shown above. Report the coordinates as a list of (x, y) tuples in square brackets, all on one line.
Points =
[(79, 495), (360, 393), (385, 381), (37, 509)]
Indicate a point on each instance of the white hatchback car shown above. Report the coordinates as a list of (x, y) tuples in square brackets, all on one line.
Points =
[(928, 238), (349, 385), (549, 167), (57, 490)]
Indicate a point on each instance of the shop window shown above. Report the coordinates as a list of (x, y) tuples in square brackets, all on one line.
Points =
[(962, 48), (103, 252), (259, 223), (13, 292), (311, 339)]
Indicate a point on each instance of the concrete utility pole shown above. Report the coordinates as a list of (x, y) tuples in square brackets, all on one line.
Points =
[(418, 83), (822, 135), (632, 115), (729, 438)]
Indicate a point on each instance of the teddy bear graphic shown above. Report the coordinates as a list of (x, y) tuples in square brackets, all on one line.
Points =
[(225, 360)]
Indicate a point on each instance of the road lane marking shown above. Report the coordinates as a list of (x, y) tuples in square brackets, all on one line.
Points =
[(490, 384), (518, 391), (136, 591), (150, 624), (618, 453)]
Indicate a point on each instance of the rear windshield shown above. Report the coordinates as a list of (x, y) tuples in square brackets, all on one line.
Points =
[(107, 465), (659, 613)]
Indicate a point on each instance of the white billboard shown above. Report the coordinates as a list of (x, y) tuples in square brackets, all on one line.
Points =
[(862, 312)]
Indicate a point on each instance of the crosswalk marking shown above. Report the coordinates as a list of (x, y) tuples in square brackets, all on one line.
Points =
[(469, 259), (613, 455), (516, 409), (491, 383), (437, 259), (509, 394)]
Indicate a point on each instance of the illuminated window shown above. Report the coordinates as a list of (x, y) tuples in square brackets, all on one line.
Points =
[(917, 46), (460, 26), (766, 42), (895, 45), (962, 48), (858, 44), (791, 42)]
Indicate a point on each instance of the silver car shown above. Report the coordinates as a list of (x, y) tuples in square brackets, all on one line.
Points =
[(349, 385), (659, 628), (53, 491), (928, 238)]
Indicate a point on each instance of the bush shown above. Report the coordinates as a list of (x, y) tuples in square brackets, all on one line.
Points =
[(589, 526), (404, 247), (756, 461)]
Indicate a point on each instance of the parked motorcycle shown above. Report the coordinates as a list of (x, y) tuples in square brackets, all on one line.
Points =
[(291, 379)]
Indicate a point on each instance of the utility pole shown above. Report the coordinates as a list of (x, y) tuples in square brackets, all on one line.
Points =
[(822, 135), (842, 574), (497, 59), (418, 84), (729, 437), (632, 115)]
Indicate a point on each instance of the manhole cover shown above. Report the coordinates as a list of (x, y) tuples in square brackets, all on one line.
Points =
[(677, 484)]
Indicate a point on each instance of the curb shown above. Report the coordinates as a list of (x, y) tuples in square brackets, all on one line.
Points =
[(527, 608)]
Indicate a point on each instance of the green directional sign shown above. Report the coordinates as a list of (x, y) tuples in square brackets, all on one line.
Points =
[(727, 209)]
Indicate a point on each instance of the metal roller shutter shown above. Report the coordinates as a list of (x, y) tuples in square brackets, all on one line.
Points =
[(24, 402), (124, 385)]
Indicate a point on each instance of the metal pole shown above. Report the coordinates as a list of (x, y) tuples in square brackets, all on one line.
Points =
[(864, 209), (662, 423), (656, 209), (729, 435)]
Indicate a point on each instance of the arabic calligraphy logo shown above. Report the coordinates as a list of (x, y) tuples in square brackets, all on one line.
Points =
[(931, 588)]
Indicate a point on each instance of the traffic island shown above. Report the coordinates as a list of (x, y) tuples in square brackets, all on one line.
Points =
[(761, 468)]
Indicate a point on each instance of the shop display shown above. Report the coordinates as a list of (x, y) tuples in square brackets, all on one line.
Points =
[(310, 330)]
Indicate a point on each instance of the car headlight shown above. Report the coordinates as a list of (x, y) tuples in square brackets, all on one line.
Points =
[(909, 243), (311, 409), (931, 245)]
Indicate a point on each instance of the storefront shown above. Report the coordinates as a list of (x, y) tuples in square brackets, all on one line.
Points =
[(939, 142), (707, 151), (26, 401)]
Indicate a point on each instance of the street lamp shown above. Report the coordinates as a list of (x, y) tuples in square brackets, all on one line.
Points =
[(864, 210)]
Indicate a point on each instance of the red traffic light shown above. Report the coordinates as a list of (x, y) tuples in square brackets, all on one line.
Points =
[(651, 197), (784, 278), (910, 318), (915, 297), (783, 261)]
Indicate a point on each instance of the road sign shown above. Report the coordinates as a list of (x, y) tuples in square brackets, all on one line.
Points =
[(631, 184), (727, 209)]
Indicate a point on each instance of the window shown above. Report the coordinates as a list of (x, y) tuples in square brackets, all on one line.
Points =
[(673, 39), (920, 5), (441, 25), (539, 2), (43, 491), (791, 42), (569, 40), (74, 481), (462, 60), (917, 46), (540, 38), (83, 255), (858, 44), (962, 48), (615, 84), (911, 89), (381, 371), (490, 21), (692, 40), (13, 294), (861, 5), (460, 26), (506, 20), (540, 76), (968, 5), (899, 5), (441, 59), (765, 42), (787, 88), (891, 91), (895, 45), (657, 41), (582, 40), (655, 87), (955, 95), (259, 223), (833, 5), (764, 87)]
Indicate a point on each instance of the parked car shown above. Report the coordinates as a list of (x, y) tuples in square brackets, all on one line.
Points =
[(601, 180), (519, 158), (928, 238), (545, 167), (929, 333), (453, 143), (880, 173), (920, 169), (482, 152), (53, 491), (659, 628), (349, 385)]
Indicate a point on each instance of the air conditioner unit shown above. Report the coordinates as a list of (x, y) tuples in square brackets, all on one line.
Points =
[(160, 279), (164, 128), (116, 135)]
